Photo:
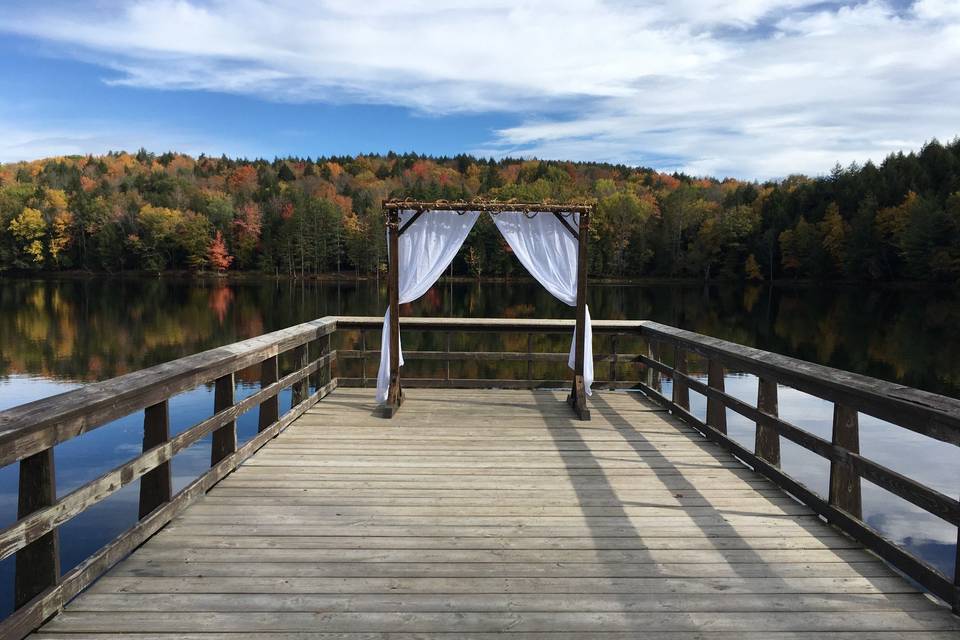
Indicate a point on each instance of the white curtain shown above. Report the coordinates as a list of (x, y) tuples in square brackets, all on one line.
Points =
[(426, 249), (549, 252)]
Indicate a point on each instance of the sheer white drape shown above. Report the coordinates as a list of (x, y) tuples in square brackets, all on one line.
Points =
[(426, 249), (549, 252)]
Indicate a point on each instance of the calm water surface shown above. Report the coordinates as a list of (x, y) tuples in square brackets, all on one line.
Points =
[(59, 334)]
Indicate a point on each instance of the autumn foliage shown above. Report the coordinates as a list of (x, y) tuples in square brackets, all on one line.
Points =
[(302, 216)]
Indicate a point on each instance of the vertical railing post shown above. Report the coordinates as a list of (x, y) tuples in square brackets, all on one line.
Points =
[(224, 438), (156, 486), (301, 388), (37, 564), (653, 375), (681, 392), (363, 358), (326, 346), (716, 410), (844, 480), (447, 374), (269, 408), (530, 358), (767, 440), (613, 360)]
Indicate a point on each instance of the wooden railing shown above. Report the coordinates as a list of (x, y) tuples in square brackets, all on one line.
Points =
[(606, 364), (931, 415), (28, 433)]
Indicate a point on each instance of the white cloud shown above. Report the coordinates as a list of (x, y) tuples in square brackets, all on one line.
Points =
[(40, 140), (754, 88)]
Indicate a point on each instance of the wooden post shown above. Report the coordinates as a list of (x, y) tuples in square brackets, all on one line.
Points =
[(301, 389), (447, 374), (37, 564), (529, 357), (394, 392), (844, 480), (578, 394), (613, 359), (269, 408), (681, 392), (653, 376), (767, 441), (716, 410), (363, 358), (224, 438), (156, 486)]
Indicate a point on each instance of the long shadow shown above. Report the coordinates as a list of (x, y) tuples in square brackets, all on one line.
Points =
[(673, 480)]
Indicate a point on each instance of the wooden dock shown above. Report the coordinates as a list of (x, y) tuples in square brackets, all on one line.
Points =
[(477, 512)]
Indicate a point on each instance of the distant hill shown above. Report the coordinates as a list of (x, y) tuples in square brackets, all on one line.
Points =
[(301, 216)]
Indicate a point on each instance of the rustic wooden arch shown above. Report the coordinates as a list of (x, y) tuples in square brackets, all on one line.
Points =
[(392, 208)]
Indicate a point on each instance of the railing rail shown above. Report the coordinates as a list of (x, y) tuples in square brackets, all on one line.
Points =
[(29, 433)]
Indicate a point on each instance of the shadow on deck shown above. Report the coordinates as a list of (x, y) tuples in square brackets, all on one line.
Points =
[(476, 512)]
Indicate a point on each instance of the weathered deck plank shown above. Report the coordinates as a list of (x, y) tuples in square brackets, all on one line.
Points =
[(479, 512)]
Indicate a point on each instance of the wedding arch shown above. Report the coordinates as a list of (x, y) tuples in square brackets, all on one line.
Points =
[(550, 240)]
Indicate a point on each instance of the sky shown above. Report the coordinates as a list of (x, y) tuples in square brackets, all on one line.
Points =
[(752, 89)]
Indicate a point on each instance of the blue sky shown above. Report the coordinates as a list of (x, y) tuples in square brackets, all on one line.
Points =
[(746, 88)]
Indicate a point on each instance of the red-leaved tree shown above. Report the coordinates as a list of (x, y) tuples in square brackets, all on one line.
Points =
[(220, 259)]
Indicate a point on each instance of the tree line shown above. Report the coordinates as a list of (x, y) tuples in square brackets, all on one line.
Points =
[(897, 220)]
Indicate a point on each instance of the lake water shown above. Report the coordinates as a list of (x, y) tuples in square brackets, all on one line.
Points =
[(56, 334)]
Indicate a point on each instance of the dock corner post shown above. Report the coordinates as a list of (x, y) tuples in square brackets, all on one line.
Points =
[(767, 440), (681, 392), (225, 438), (270, 407), (394, 391), (156, 486), (37, 564), (716, 410), (363, 358), (578, 392), (844, 479)]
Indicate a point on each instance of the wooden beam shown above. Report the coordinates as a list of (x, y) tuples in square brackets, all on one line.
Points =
[(578, 393), (492, 206), (566, 223), (37, 564), (156, 486), (410, 221)]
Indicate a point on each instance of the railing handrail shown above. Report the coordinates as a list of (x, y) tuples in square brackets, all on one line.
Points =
[(926, 413), (32, 427), (541, 325)]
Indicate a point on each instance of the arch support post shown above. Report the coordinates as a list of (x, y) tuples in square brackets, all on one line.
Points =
[(578, 393), (394, 392)]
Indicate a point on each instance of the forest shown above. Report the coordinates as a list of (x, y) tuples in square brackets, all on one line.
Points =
[(302, 217)]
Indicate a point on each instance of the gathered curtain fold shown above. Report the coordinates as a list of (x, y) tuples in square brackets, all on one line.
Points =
[(425, 250), (547, 249)]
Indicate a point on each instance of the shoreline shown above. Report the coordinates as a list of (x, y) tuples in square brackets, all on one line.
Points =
[(253, 276)]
